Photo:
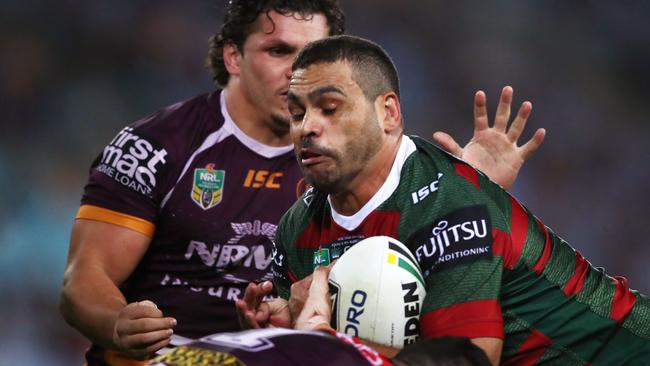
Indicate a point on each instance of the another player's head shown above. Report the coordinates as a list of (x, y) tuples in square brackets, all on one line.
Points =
[(444, 351), (257, 43), (344, 107)]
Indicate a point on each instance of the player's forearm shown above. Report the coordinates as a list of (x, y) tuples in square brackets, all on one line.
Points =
[(90, 303), (491, 346), (386, 351)]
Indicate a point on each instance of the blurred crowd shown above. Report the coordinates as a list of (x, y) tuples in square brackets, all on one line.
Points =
[(72, 73)]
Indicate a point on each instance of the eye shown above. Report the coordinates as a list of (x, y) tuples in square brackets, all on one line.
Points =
[(329, 110), (297, 114), (278, 51)]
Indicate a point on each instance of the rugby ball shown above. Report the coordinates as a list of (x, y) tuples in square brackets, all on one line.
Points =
[(377, 292)]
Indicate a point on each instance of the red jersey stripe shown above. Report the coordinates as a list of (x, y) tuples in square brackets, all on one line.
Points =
[(468, 173), (575, 283), (623, 300), (530, 351), (502, 246), (518, 229), (546, 252), (480, 318), (377, 223)]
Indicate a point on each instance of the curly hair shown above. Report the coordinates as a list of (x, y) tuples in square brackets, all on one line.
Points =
[(241, 14)]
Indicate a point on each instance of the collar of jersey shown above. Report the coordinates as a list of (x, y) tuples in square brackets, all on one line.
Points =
[(349, 223), (257, 147)]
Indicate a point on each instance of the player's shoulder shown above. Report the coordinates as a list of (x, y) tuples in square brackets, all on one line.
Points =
[(185, 117), (309, 207), (430, 154), (465, 175), (145, 156)]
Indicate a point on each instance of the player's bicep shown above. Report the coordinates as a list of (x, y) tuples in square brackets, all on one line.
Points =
[(491, 346), (98, 247)]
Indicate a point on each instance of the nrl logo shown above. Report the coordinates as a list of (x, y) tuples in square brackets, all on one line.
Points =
[(207, 187)]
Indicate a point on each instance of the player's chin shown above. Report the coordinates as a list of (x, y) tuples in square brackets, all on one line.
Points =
[(322, 181), (280, 122)]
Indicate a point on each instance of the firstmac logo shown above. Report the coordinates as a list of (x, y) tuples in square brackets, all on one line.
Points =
[(132, 161)]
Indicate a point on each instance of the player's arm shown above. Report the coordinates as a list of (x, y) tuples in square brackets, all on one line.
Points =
[(101, 257), (316, 314), (494, 150), (491, 346)]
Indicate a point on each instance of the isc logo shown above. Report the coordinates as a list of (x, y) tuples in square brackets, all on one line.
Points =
[(423, 192), (262, 178)]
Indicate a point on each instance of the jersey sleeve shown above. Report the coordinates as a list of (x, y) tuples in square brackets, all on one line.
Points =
[(462, 275), (129, 178), (464, 253)]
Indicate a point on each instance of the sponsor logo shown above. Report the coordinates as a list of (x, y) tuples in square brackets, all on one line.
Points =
[(229, 293), (355, 310), (224, 257), (341, 245), (425, 191), (463, 235), (132, 161), (262, 178), (185, 355), (322, 257), (207, 187), (334, 250), (411, 313)]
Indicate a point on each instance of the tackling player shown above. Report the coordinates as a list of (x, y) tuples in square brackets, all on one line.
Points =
[(494, 273), (313, 343)]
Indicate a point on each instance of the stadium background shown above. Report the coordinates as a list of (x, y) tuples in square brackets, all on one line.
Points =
[(72, 73)]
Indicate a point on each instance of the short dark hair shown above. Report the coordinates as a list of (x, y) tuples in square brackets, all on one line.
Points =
[(241, 14), (372, 69), (443, 351)]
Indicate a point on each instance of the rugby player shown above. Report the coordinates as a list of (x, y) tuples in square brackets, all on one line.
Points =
[(494, 272), (180, 207)]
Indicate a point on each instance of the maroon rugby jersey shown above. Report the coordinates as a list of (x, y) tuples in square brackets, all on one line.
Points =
[(272, 346), (210, 198)]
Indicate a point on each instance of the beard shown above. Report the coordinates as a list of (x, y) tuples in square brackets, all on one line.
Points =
[(279, 124)]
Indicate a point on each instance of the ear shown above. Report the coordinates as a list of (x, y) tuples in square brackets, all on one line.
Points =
[(231, 58), (389, 112)]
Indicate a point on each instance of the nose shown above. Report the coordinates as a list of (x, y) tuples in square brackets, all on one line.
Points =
[(287, 72), (311, 126)]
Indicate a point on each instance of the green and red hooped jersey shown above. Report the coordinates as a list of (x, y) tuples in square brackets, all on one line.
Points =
[(491, 268)]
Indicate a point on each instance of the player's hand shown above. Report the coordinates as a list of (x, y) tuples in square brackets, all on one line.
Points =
[(317, 311), (299, 294), (254, 312), (494, 149), (141, 329)]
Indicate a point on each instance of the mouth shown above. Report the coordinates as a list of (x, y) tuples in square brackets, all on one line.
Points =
[(310, 157)]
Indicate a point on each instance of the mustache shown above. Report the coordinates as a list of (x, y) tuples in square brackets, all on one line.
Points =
[(316, 149)]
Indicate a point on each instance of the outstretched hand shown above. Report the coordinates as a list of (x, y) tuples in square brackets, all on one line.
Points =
[(494, 149), (254, 312)]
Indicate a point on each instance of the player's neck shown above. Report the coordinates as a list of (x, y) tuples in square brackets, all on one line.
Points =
[(247, 117), (368, 182)]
